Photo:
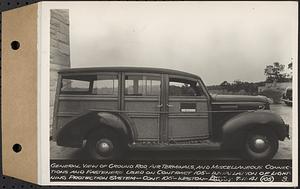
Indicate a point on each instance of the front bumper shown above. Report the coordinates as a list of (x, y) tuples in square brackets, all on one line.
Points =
[(286, 100), (287, 128)]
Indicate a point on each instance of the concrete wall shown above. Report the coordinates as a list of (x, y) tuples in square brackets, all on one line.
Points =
[(59, 51)]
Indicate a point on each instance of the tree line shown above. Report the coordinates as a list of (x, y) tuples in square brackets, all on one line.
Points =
[(274, 73), (237, 86)]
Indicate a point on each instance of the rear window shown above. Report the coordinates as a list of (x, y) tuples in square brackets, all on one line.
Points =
[(69, 86), (90, 84)]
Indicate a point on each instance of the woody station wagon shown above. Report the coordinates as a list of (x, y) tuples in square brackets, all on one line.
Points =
[(111, 110)]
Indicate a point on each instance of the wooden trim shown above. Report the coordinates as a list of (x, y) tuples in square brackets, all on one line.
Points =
[(87, 98), (67, 114), (143, 116), (133, 99), (120, 89), (183, 116), (165, 146), (164, 121), (186, 99)]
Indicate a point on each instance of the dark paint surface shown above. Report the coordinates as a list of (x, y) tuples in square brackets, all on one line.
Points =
[(239, 98)]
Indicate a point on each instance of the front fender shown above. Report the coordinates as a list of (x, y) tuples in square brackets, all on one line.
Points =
[(234, 130), (74, 132)]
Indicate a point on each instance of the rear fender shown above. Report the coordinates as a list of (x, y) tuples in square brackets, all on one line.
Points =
[(78, 129), (235, 130)]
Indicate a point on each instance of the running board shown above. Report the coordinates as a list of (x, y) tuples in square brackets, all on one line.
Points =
[(166, 147)]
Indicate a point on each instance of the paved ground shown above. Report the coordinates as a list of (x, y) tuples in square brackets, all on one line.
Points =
[(285, 147), (284, 152)]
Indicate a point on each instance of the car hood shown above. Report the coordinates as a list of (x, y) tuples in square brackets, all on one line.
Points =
[(239, 98)]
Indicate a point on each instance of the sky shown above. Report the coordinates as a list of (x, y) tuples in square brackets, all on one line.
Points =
[(216, 40)]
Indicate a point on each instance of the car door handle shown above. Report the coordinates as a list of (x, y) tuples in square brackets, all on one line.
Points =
[(159, 105), (170, 105)]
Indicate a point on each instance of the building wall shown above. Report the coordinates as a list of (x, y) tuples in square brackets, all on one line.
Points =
[(59, 51)]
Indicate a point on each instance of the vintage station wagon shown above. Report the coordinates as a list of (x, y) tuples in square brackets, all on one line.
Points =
[(111, 110)]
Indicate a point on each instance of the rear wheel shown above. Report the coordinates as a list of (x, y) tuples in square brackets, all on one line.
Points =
[(104, 144), (260, 145)]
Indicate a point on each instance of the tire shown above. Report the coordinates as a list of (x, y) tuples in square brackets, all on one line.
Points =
[(104, 144), (260, 145)]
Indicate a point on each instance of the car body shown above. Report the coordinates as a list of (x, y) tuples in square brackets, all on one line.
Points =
[(287, 96), (111, 110)]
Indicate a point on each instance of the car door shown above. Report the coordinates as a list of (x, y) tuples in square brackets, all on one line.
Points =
[(142, 104), (187, 107)]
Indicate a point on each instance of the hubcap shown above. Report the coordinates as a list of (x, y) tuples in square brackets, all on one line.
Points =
[(104, 146), (258, 144)]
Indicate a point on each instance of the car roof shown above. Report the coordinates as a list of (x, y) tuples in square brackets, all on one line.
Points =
[(127, 69)]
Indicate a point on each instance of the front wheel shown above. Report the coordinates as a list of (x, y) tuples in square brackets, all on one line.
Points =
[(104, 144), (260, 145)]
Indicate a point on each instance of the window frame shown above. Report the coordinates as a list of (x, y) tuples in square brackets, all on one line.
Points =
[(91, 85), (142, 74), (203, 96), (116, 75)]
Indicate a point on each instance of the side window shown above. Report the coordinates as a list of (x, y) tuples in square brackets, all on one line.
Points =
[(90, 84), (138, 85), (184, 87), (106, 85), (75, 85)]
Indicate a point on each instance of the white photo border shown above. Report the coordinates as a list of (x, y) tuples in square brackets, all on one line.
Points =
[(44, 110)]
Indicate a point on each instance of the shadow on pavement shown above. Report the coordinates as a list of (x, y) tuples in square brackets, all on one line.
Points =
[(81, 154)]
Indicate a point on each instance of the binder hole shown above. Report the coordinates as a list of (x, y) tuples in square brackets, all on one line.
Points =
[(17, 148), (15, 45)]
